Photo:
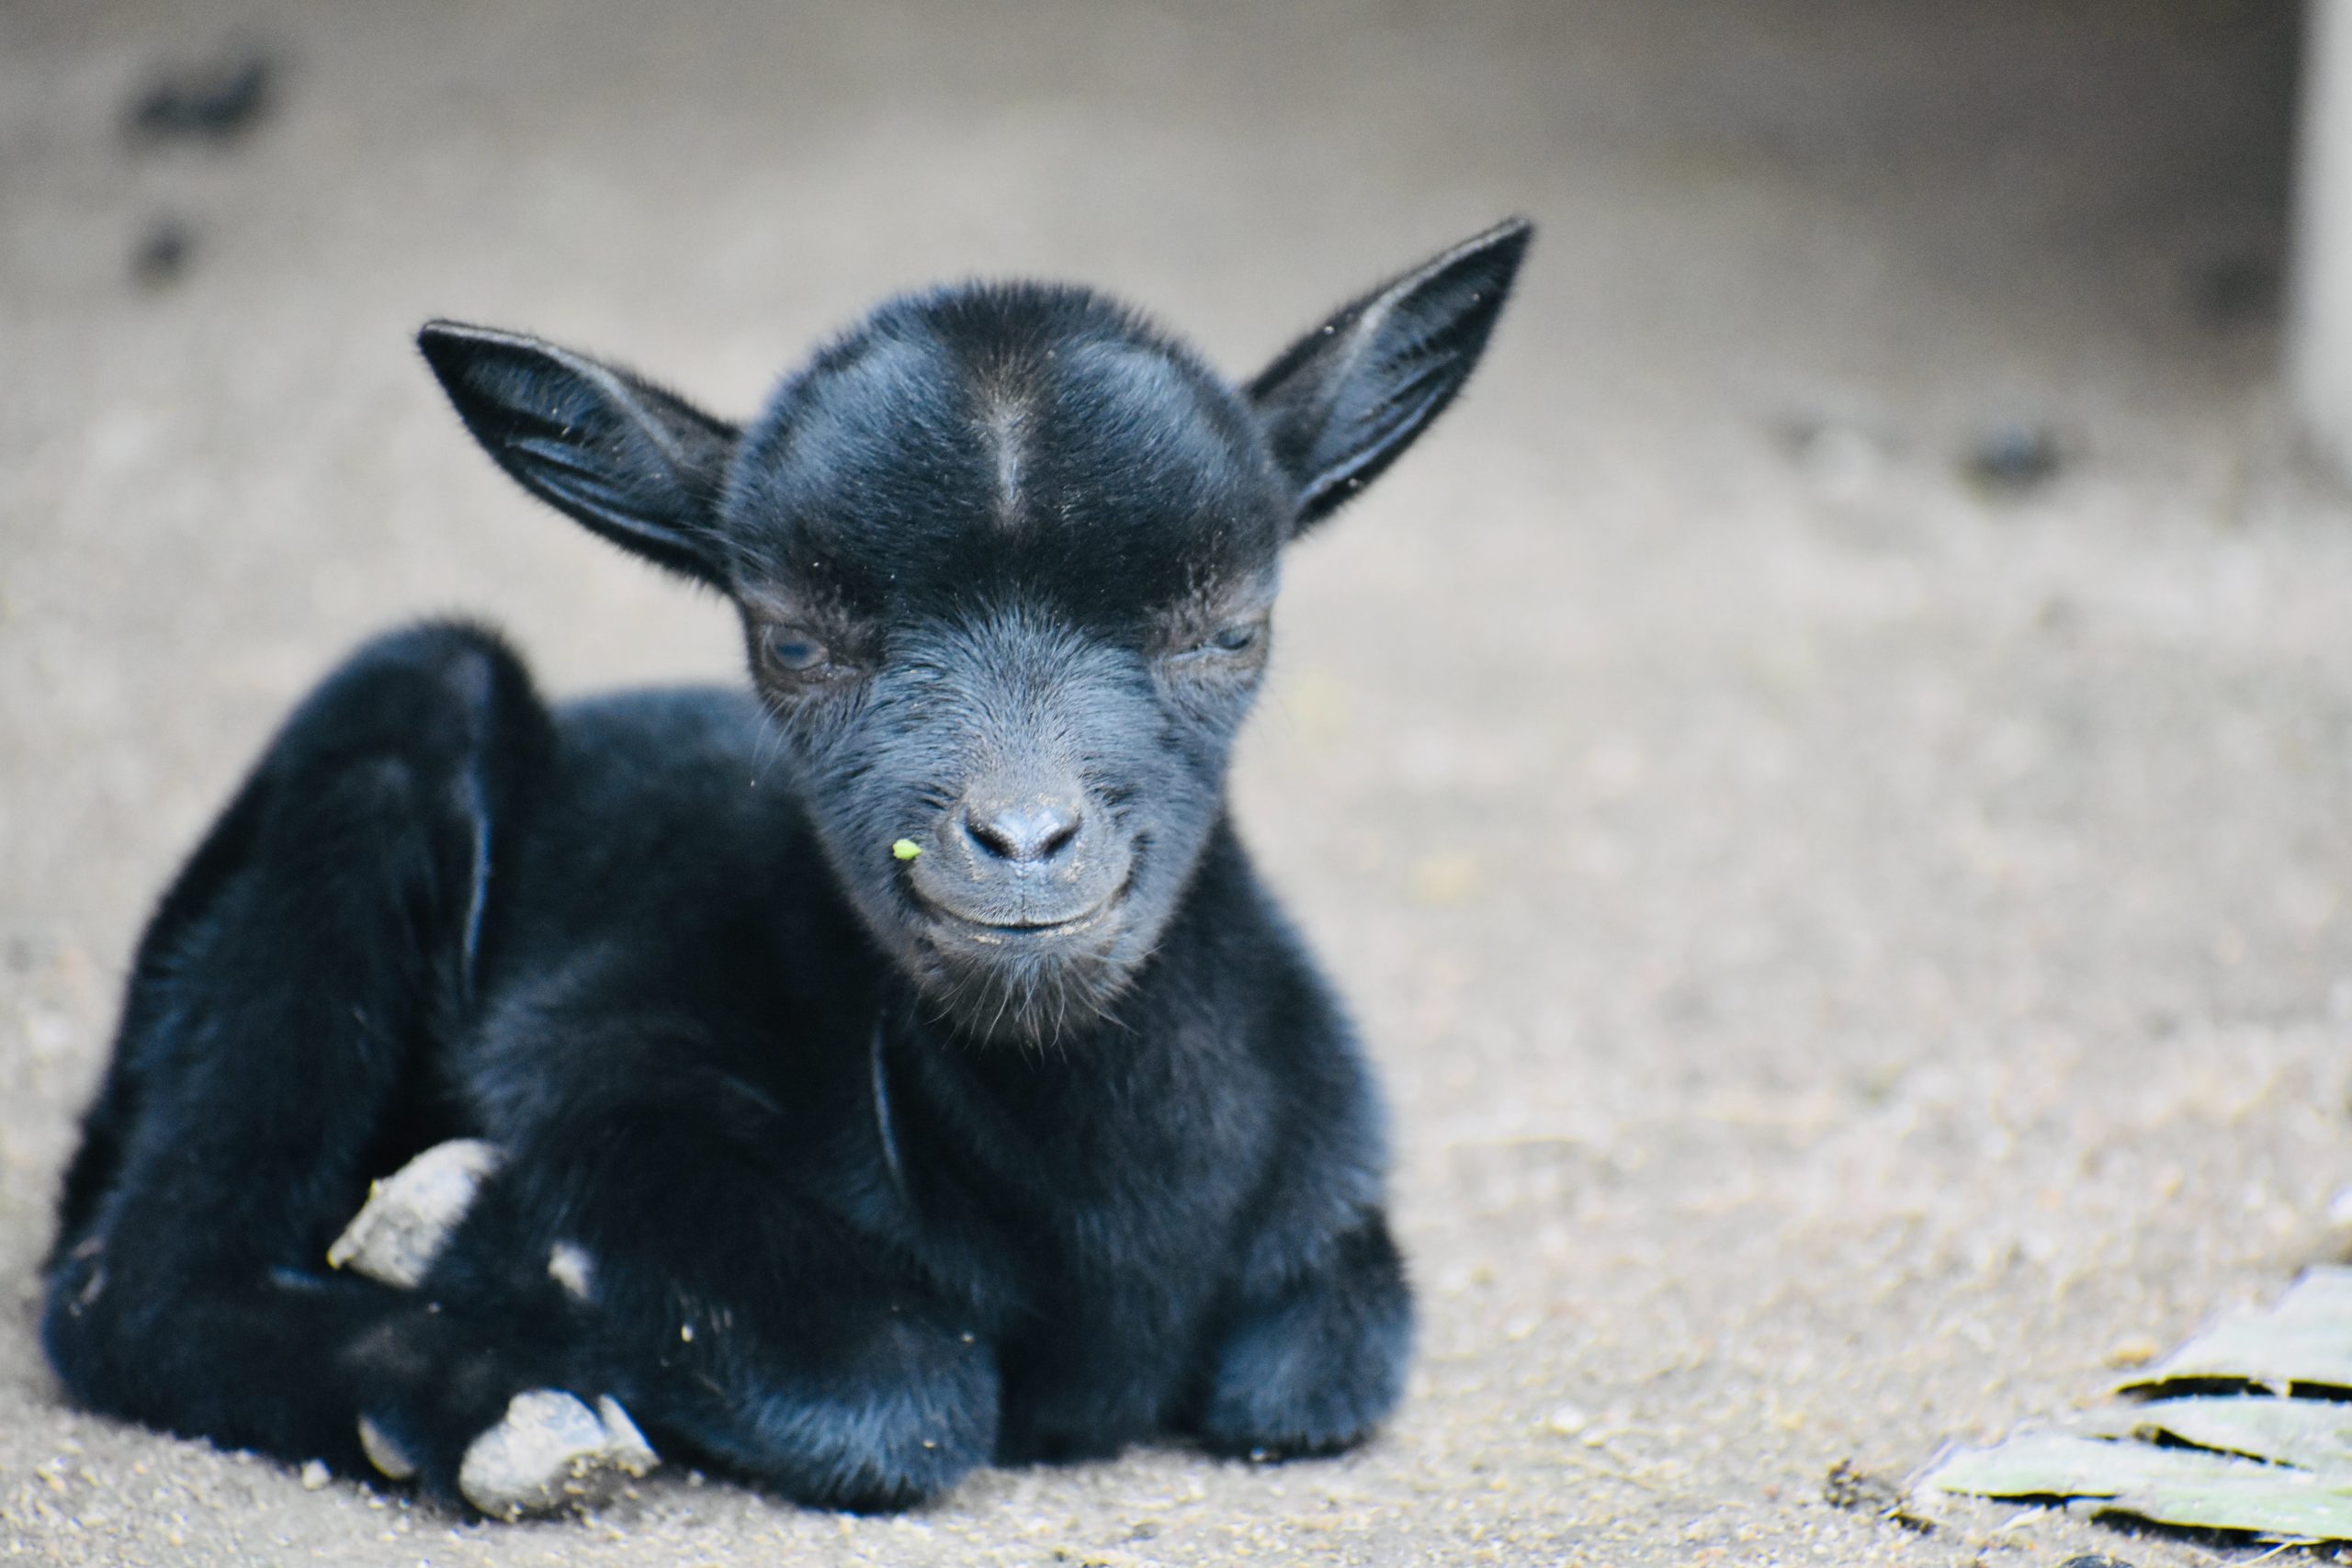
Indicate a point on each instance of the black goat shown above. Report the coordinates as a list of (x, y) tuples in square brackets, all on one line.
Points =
[(895, 1070)]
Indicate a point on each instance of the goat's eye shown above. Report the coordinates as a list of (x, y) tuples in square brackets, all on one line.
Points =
[(1236, 638), (1226, 650), (791, 650)]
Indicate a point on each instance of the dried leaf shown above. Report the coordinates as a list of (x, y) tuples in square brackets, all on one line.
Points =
[(2276, 1463)]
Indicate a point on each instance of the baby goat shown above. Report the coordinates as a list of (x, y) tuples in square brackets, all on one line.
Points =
[(895, 1070)]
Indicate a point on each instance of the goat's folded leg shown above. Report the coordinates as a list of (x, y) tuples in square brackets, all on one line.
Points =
[(697, 1295), (549, 1449), (1313, 1366), (311, 956)]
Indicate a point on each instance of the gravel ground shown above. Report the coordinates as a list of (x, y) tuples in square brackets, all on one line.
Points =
[(1854, 946)]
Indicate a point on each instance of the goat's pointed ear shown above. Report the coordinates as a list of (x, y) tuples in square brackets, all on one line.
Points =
[(638, 464), (1345, 400)]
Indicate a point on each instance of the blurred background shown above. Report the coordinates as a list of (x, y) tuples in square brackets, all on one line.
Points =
[(1826, 779)]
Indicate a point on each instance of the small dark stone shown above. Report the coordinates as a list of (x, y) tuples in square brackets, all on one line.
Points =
[(160, 258), (2013, 458), (1852, 1487), (2236, 292), (1848, 1485), (210, 102), (2094, 1560)]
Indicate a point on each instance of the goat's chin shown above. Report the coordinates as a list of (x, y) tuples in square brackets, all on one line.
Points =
[(1048, 991)]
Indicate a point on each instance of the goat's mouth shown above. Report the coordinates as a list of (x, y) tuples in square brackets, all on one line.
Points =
[(1026, 930), (1022, 915), (1040, 980)]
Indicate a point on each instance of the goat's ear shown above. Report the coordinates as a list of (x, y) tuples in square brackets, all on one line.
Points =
[(638, 464), (1345, 400)]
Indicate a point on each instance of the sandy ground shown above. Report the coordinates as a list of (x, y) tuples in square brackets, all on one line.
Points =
[(1850, 951)]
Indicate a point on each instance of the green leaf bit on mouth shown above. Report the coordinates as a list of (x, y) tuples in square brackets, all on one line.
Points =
[(906, 848)]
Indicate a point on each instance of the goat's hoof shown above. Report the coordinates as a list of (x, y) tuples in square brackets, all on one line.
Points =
[(387, 1456), (550, 1453), (408, 1215)]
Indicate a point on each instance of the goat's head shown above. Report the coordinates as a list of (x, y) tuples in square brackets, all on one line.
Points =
[(1005, 557)]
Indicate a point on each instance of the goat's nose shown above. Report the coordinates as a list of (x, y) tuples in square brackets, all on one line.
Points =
[(1034, 828)]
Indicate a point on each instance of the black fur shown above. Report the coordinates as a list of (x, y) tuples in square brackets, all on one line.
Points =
[(1045, 1141)]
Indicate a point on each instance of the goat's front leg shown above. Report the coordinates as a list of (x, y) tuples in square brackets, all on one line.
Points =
[(1312, 1364), (690, 1287)]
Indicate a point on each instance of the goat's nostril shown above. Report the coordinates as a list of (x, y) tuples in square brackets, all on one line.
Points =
[(1032, 829)]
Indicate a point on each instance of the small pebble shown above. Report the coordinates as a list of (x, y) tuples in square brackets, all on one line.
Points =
[(208, 102), (315, 1474), (1567, 1421), (2013, 458), (160, 257), (1848, 1485)]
